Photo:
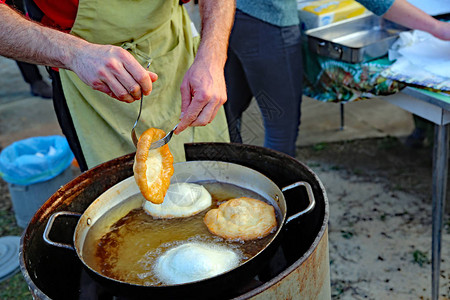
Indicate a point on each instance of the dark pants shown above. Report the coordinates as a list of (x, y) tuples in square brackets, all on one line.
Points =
[(65, 120), (265, 62), (30, 72)]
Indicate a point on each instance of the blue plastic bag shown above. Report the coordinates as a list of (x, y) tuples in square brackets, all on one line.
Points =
[(36, 159)]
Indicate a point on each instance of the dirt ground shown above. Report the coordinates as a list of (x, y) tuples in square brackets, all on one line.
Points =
[(380, 220), (402, 168)]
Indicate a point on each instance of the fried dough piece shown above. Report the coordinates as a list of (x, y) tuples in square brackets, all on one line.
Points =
[(241, 219), (182, 200), (153, 168), (194, 261)]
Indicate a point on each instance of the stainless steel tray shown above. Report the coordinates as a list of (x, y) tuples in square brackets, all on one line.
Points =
[(354, 40)]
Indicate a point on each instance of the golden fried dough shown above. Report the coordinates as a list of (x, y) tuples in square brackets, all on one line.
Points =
[(241, 219), (153, 168)]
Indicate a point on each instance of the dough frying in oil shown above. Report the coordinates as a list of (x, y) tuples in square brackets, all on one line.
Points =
[(182, 200), (241, 219), (194, 261)]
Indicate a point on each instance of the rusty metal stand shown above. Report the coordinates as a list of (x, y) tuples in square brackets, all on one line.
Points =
[(440, 169), (342, 116)]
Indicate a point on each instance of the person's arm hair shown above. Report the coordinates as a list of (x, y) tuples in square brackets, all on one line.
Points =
[(109, 69), (203, 89), (408, 15), (217, 19), (24, 40)]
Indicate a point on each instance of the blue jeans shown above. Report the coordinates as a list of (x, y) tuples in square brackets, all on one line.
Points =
[(265, 62)]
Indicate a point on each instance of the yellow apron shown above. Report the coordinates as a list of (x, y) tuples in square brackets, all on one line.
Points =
[(156, 29)]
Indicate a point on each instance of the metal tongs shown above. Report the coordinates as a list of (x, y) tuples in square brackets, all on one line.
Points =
[(158, 143), (164, 140)]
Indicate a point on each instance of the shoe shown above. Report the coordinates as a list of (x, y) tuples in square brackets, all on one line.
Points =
[(416, 139), (42, 89)]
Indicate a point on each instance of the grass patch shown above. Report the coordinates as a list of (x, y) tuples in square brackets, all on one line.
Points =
[(337, 289), (8, 225), (347, 234), (314, 165), (358, 172), (320, 146), (15, 288), (397, 187), (388, 143), (420, 258)]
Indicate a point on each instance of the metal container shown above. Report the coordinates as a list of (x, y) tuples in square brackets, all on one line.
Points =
[(354, 40), (298, 269), (195, 172)]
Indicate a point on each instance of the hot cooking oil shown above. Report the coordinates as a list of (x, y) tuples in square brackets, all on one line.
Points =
[(127, 250)]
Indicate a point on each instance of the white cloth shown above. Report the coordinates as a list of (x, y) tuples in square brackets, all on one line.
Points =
[(421, 59)]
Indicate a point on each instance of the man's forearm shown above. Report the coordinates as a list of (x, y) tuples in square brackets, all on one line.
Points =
[(203, 90), (217, 20), (24, 40), (106, 68)]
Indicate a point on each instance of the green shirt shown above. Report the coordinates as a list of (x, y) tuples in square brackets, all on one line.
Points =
[(378, 7)]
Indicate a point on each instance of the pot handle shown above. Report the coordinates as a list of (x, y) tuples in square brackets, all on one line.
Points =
[(49, 226), (309, 191)]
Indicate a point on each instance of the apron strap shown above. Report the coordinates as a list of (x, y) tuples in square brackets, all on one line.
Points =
[(132, 45)]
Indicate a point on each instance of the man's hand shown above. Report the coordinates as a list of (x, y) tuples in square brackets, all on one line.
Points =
[(203, 92), (112, 70)]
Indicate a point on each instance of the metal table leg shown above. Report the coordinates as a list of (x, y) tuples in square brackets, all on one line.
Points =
[(440, 168)]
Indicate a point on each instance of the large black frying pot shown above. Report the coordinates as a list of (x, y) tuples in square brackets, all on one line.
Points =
[(55, 273), (192, 171)]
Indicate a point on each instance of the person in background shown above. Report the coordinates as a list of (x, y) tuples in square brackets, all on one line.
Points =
[(422, 135), (106, 54), (30, 72), (264, 61)]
